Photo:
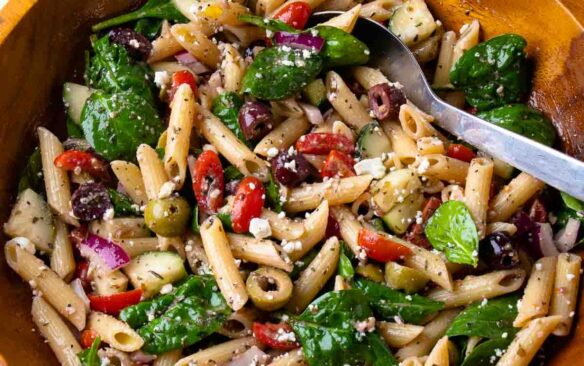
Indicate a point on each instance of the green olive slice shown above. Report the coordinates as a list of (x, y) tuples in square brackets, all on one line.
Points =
[(269, 288)]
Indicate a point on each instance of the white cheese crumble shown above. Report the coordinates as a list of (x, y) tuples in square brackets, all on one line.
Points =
[(25, 244), (373, 166), (166, 289), (161, 79), (260, 228), (291, 246), (109, 214), (166, 190), (209, 147), (272, 152)]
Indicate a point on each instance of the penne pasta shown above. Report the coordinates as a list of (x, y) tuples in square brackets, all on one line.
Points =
[(415, 123), (397, 335), (114, 332), (62, 259), (345, 21), (469, 37), (513, 196), (537, 295), (314, 231), (565, 293), (122, 228), (283, 136), (232, 68), (345, 102), (219, 354), (165, 45), (192, 39), (439, 356), (403, 146), (258, 251), (282, 227), (442, 167), (445, 60), (136, 246), (169, 358), (240, 323), (368, 77), (430, 145), (290, 358), (130, 178), (379, 10), (477, 191)]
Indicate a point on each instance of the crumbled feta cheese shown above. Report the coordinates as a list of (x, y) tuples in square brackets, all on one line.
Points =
[(272, 152), (166, 289), (209, 147), (25, 244), (260, 228), (134, 43), (373, 166), (424, 165), (166, 190), (570, 277), (108, 214), (161, 79), (291, 246), (367, 325), (281, 215)]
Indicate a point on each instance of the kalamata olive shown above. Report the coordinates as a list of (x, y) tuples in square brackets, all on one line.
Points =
[(90, 201), (167, 216), (77, 144), (290, 168), (255, 119), (498, 251), (138, 46), (538, 211), (385, 100), (522, 222), (332, 227)]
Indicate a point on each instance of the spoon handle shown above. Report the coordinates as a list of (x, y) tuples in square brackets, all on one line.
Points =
[(551, 166)]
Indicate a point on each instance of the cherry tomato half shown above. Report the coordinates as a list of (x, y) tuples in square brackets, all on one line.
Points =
[(82, 161), (460, 152), (248, 203), (208, 181), (269, 333), (294, 14), (322, 143), (113, 304), (380, 248), (183, 77), (338, 164), (87, 337)]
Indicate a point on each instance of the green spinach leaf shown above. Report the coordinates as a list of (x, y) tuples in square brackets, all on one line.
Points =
[(231, 173), (523, 120), (345, 267), (388, 302), (225, 219), (487, 353), (74, 130), (572, 202), (226, 106), (341, 48), (273, 25), (149, 27), (280, 72), (89, 356), (195, 226), (273, 194), (493, 73), (161, 9), (32, 176), (123, 205), (452, 231)]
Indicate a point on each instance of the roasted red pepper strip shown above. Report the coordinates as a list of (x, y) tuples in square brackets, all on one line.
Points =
[(87, 337), (248, 203), (208, 181), (268, 334), (338, 164), (183, 77), (113, 304), (460, 152), (380, 248), (295, 14), (82, 161), (322, 143)]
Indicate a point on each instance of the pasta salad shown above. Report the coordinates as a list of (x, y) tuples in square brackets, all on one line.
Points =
[(237, 187)]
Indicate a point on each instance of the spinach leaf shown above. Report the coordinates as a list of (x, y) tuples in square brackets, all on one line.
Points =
[(226, 106), (161, 9), (523, 120), (74, 130), (494, 319), (231, 173), (452, 230), (328, 336), (388, 302), (32, 176), (123, 205), (116, 124), (487, 353), (301, 265), (225, 219), (345, 267), (280, 72), (195, 226), (150, 28), (493, 73), (273, 194), (273, 25), (89, 356), (341, 48), (572, 202)]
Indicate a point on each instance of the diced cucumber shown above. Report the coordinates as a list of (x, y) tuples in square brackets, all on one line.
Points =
[(370, 271), (372, 142), (502, 169), (152, 270), (399, 277), (185, 7), (401, 215), (412, 22), (393, 188), (315, 92), (74, 96)]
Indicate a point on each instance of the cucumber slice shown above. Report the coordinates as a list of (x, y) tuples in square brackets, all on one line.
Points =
[(502, 169), (74, 97), (399, 277), (412, 22), (399, 218), (185, 6), (394, 188), (372, 142), (152, 270), (315, 92)]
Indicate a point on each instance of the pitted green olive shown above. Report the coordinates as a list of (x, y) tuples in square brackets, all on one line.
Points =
[(168, 216), (269, 288)]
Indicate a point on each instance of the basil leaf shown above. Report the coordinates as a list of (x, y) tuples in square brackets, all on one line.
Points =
[(32, 176), (487, 353), (161, 9), (388, 302), (341, 48), (123, 206), (195, 227), (345, 267), (149, 27), (226, 106), (225, 219), (74, 130), (89, 356), (273, 194), (572, 202), (452, 230), (231, 173), (493, 319), (271, 24)]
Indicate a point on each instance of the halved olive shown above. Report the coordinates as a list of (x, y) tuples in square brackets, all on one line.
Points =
[(269, 288), (167, 216)]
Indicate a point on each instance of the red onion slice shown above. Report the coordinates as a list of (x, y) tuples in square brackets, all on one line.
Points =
[(312, 113), (106, 254), (543, 236), (305, 41), (77, 287), (566, 238), (188, 60)]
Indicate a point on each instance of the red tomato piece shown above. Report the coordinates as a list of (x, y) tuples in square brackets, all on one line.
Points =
[(268, 334), (208, 181), (294, 14), (460, 152), (338, 164), (82, 161), (381, 248), (183, 77), (322, 143), (113, 304), (87, 337), (82, 272), (248, 203)]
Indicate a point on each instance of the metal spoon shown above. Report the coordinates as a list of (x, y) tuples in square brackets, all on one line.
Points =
[(396, 61)]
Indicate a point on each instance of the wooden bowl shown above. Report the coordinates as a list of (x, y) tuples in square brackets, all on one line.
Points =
[(40, 41)]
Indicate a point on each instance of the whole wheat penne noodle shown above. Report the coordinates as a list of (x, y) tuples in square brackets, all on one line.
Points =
[(165, 45), (258, 251), (442, 167), (136, 246), (471, 344), (314, 231), (285, 108), (208, 92), (179, 129), (506, 227), (232, 68), (397, 335), (315, 276), (340, 128), (110, 283), (477, 288), (445, 60), (197, 43), (219, 354), (416, 123), (130, 177), (169, 358), (432, 185), (222, 12), (239, 324), (477, 191), (430, 145), (502, 169), (433, 331), (196, 256), (173, 244), (266, 7), (62, 259), (283, 228), (126, 227), (452, 192), (349, 227), (283, 136), (345, 102), (336, 191), (152, 169), (56, 179), (368, 77), (56, 332), (44, 280), (379, 10), (228, 145), (114, 332), (340, 284), (290, 358), (362, 206), (469, 37), (345, 21), (512, 196), (439, 356), (243, 35), (528, 341), (403, 146), (565, 294), (538, 292), (222, 263)]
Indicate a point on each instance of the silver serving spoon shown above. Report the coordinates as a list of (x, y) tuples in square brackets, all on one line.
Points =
[(396, 61)]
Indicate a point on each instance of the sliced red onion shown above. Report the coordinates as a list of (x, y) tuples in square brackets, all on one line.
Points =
[(566, 238), (140, 357), (188, 60), (312, 113), (305, 41), (77, 287), (542, 238), (253, 356), (522, 222), (106, 254)]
